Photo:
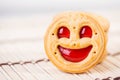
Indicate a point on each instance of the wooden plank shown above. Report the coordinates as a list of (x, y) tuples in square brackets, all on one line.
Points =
[(23, 72), (11, 72), (4, 75), (38, 70)]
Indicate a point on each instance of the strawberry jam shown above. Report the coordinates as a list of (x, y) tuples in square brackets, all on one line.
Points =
[(85, 32), (74, 55), (63, 32)]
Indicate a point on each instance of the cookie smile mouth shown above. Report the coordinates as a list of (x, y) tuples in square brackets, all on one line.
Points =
[(74, 55)]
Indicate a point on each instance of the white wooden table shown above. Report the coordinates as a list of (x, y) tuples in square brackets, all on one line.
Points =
[(22, 55)]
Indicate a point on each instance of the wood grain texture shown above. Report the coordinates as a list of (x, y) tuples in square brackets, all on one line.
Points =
[(21, 40)]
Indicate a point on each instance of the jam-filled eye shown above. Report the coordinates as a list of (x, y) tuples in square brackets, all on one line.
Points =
[(63, 32), (86, 31)]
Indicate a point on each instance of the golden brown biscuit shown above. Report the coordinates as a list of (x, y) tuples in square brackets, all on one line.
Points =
[(76, 41)]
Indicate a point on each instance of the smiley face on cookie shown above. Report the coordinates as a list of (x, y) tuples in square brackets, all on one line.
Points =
[(75, 41)]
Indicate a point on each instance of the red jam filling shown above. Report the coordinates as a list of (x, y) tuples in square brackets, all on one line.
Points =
[(74, 55), (63, 32), (85, 32)]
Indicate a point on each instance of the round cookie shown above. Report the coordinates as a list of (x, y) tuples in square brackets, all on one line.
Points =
[(76, 41)]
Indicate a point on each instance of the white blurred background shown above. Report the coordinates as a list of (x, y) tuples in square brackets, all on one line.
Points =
[(46, 6), (27, 20)]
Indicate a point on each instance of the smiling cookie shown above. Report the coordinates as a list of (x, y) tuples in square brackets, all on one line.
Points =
[(76, 41)]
